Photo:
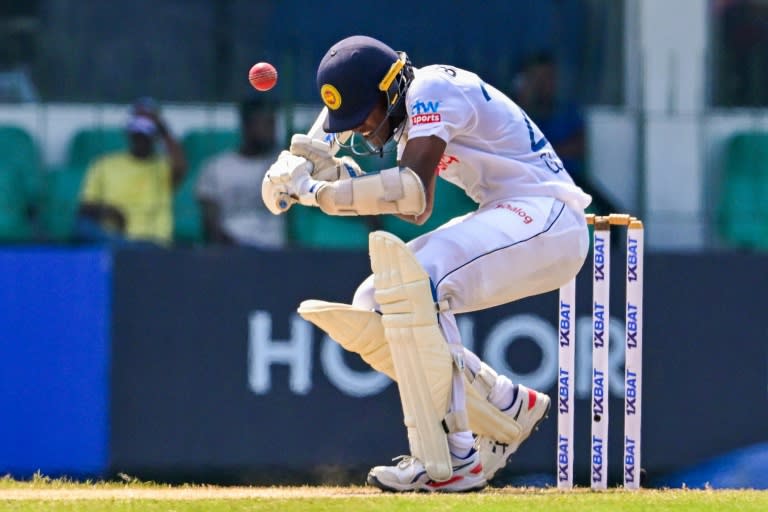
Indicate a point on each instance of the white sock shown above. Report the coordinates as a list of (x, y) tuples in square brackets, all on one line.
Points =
[(460, 444), (503, 393)]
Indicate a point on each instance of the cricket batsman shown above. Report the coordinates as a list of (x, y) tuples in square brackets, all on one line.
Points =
[(528, 236)]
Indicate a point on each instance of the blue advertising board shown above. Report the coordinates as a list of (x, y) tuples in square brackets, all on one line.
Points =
[(216, 377), (54, 361)]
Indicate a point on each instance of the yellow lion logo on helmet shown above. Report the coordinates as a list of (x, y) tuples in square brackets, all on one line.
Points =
[(331, 96)]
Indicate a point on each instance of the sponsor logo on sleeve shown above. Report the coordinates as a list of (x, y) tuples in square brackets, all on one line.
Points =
[(425, 112), (444, 162), (424, 107), (425, 119)]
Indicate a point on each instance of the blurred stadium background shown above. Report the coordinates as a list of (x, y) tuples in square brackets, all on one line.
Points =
[(188, 363)]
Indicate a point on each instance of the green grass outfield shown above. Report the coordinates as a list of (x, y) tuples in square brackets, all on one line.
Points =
[(55, 495)]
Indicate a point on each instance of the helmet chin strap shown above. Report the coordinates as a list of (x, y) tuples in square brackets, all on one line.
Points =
[(361, 146)]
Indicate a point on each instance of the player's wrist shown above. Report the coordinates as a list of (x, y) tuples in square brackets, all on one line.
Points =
[(307, 191)]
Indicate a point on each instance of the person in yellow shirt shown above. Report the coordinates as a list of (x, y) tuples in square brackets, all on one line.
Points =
[(127, 196)]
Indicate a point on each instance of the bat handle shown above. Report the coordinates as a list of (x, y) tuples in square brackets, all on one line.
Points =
[(284, 202)]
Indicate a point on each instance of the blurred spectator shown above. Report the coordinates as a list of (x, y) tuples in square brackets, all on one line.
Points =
[(536, 91), (127, 196), (229, 186), (740, 45)]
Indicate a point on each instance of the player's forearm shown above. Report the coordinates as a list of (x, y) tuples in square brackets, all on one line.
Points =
[(417, 219), (397, 190), (429, 198)]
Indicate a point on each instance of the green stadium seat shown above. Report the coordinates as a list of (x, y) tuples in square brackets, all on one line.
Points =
[(743, 207), (310, 227), (15, 225), (199, 146), (90, 143), (60, 201), (19, 148), (187, 216)]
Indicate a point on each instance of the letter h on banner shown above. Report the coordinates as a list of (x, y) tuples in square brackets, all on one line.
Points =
[(263, 352)]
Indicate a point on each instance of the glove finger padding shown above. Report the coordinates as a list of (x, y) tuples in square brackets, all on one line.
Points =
[(287, 166), (309, 148), (326, 166)]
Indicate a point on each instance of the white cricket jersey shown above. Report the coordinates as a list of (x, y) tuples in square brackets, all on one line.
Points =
[(494, 151)]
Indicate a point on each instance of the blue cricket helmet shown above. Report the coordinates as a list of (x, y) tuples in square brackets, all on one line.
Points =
[(353, 75)]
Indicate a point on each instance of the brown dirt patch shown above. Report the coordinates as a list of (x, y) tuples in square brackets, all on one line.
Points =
[(184, 493)]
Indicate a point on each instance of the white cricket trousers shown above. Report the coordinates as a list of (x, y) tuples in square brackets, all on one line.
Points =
[(505, 251)]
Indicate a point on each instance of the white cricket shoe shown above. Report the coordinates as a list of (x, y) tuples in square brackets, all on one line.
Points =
[(409, 475), (529, 409)]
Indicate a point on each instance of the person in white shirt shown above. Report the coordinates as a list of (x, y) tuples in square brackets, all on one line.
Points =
[(528, 236), (229, 185)]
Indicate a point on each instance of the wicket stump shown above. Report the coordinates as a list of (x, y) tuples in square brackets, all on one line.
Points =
[(601, 259)]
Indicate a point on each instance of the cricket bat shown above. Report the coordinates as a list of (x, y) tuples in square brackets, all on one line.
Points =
[(316, 132)]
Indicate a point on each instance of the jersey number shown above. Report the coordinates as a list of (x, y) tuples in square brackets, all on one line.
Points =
[(536, 145), (551, 160), (448, 71)]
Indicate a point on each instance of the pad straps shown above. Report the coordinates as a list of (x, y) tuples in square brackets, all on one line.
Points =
[(456, 420)]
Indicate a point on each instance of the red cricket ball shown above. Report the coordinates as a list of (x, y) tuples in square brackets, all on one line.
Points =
[(263, 76)]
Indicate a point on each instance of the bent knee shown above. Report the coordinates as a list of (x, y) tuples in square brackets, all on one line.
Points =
[(364, 297)]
